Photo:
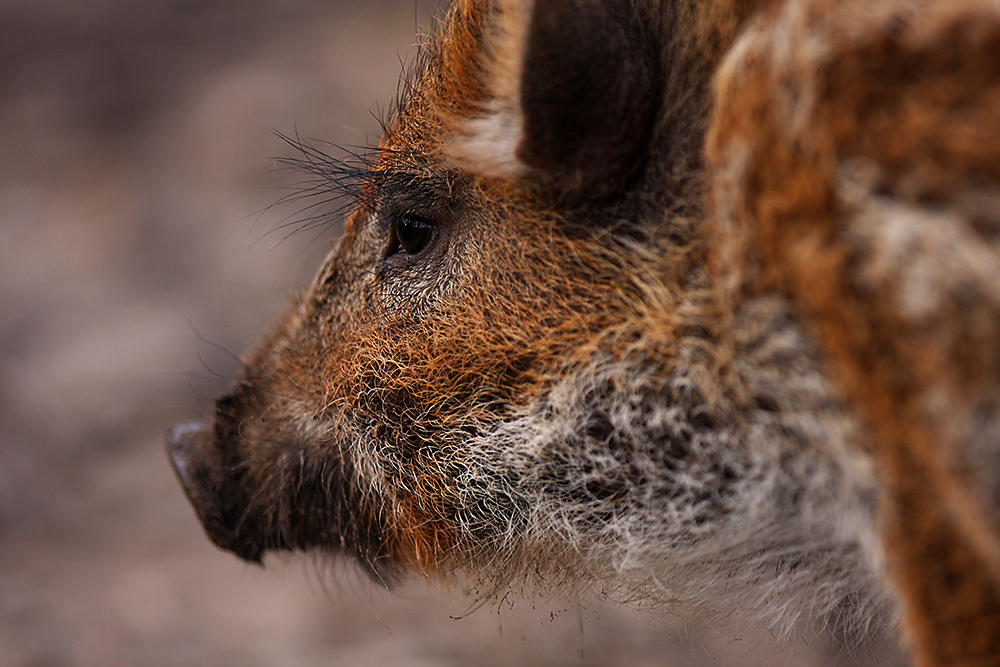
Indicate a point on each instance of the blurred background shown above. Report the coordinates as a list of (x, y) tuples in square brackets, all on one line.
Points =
[(136, 249)]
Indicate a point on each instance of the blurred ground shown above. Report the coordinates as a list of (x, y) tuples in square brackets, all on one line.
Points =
[(134, 250)]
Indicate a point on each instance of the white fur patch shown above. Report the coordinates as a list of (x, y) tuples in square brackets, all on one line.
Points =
[(487, 145)]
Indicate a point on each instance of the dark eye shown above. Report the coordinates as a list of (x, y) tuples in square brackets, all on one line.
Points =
[(411, 234)]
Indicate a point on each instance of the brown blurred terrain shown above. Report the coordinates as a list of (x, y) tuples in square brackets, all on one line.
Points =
[(136, 247)]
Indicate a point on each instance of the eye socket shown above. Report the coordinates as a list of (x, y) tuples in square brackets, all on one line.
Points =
[(410, 234)]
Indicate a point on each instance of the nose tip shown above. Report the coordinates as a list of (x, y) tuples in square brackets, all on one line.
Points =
[(216, 496), (180, 443)]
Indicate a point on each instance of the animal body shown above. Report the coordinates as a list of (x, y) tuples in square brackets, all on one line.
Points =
[(690, 301)]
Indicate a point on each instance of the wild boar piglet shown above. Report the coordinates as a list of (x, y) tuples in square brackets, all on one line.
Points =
[(689, 301)]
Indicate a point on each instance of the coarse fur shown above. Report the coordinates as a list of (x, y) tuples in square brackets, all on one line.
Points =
[(693, 303)]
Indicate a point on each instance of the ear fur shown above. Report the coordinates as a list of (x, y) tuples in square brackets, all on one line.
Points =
[(571, 91)]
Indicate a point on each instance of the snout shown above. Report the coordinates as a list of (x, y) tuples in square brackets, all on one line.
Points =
[(208, 484), (180, 446)]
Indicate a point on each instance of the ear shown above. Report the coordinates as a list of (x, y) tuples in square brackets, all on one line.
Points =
[(571, 89)]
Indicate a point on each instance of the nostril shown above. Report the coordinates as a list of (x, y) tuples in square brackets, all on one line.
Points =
[(181, 440)]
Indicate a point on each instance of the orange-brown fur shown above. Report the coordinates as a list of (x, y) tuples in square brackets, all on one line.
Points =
[(705, 376)]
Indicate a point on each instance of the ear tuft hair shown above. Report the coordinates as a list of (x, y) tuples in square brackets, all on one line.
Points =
[(571, 91), (486, 141)]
